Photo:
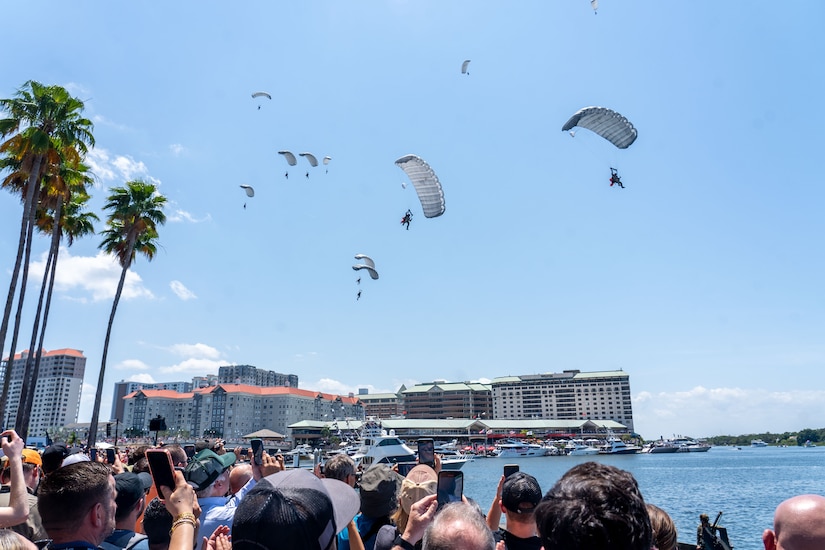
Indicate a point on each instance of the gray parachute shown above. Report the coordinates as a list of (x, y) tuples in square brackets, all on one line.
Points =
[(426, 184), (605, 122), (367, 264), (290, 158), (310, 158), (249, 191)]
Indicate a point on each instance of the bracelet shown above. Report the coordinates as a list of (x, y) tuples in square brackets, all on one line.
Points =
[(406, 545), (187, 520), (184, 515)]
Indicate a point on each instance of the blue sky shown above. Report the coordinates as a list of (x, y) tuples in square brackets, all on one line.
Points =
[(702, 278)]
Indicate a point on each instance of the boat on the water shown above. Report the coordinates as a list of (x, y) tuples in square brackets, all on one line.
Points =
[(578, 447), (661, 447), (616, 446), (714, 536), (758, 443), (517, 449)]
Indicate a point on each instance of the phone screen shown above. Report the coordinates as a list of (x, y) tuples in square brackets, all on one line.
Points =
[(161, 468), (510, 469), (189, 450), (257, 451), (93, 454), (405, 467), (110, 456), (426, 452), (450, 486)]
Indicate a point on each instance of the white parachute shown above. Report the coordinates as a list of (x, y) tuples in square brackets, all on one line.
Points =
[(367, 264), (249, 191), (595, 5), (465, 66), (290, 158), (310, 158), (426, 184), (606, 123), (261, 94), (326, 160)]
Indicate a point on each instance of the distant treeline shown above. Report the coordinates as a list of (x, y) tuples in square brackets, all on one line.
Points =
[(816, 436)]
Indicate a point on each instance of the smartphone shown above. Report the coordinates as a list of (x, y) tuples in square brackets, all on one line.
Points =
[(450, 486), (93, 454), (405, 467), (189, 450), (110, 455), (257, 451), (161, 468), (510, 469), (426, 452)]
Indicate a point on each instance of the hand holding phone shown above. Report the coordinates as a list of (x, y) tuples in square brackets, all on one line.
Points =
[(426, 452), (161, 468), (510, 469), (93, 454), (450, 486), (110, 455), (257, 451)]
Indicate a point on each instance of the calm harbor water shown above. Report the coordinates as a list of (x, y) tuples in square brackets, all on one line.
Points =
[(745, 484)]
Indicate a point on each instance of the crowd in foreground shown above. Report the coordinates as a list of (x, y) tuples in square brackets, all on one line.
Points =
[(222, 499)]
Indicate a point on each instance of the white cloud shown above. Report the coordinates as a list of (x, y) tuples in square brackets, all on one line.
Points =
[(117, 168), (181, 291), (133, 365), (144, 378), (179, 215), (196, 366), (201, 351), (90, 278), (177, 149)]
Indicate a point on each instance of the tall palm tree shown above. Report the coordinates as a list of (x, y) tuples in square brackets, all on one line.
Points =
[(135, 211), (39, 117)]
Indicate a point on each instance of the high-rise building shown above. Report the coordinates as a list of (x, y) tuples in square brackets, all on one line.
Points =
[(447, 400), (253, 376), (56, 392), (124, 388), (568, 395), (380, 405)]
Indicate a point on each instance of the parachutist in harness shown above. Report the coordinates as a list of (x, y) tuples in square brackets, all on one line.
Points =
[(358, 281), (358, 296), (286, 175), (614, 178), (307, 175), (407, 219)]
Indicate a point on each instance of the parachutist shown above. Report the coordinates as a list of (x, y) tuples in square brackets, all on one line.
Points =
[(259, 107), (614, 178), (407, 219), (244, 206), (358, 281), (307, 175), (286, 175), (358, 296)]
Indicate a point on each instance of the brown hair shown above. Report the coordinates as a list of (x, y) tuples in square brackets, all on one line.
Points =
[(664, 530)]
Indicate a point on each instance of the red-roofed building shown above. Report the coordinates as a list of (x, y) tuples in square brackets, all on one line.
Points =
[(232, 410), (56, 392)]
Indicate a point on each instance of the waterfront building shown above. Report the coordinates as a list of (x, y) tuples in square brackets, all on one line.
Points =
[(447, 400), (253, 376), (571, 395), (381, 405), (56, 393), (124, 388), (234, 410)]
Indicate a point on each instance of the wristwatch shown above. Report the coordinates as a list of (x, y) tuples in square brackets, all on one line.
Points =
[(406, 545)]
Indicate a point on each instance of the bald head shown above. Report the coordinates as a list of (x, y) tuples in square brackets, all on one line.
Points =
[(238, 477), (798, 524)]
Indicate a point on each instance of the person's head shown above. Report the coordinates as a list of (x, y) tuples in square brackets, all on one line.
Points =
[(421, 481), (704, 519), (458, 526), (304, 511), (157, 521), (177, 453), (379, 491), (77, 502), (342, 468), (519, 497), (54, 455), (594, 506), (208, 473), (798, 524), (131, 495), (664, 530), (238, 476), (137, 453), (32, 463), (11, 540)]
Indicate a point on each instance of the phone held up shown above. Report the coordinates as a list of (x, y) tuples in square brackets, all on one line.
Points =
[(405, 467), (161, 468), (426, 452), (510, 469), (258, 451), (110, 455), (450, 487)]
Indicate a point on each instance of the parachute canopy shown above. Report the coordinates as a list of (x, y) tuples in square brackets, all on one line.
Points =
[(368, 264), (290, 158), (261, 94), (464, 66), (426, 184), (326, 160), (607, 123), (249, 191), (310, 157), (594, 4)]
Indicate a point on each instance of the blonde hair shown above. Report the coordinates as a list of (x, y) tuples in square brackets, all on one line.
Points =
[(664, 530)]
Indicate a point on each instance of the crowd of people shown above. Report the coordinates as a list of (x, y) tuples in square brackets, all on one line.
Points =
[(223, 499)]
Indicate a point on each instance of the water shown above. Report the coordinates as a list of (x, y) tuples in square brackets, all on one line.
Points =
[(745, 484)]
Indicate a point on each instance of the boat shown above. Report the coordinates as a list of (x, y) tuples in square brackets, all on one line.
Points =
[(686, 445), (517, 449), (577, 447), (809, 443), (452, 459), (616, 446), (379, 447), (758, 443), (661, 447)]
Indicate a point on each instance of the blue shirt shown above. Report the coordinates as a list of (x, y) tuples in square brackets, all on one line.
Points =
[(217, 511)]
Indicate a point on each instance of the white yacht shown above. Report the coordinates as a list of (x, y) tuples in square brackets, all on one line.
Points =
[(578, 447), (518, 449), (758, 443), (616, 446)]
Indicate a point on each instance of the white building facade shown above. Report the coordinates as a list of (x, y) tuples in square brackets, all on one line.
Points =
[(569, 395)]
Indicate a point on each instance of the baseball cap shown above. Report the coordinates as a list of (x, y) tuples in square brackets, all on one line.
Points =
[(205, 467), (379, 491), (304, 511), (521, 493), (421, 481), (131, 488), (53, 456), (30, 456)]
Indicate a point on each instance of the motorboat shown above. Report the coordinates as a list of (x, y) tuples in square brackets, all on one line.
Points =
[(758, 443), (686, 445), (518, 449), (577, 447), (616, 446), (377, 446), (452, 459), (809, 443), (660, 447)]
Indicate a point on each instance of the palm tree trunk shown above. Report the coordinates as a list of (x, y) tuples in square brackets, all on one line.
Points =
[(33, 360), (4, 326), (99, 390)]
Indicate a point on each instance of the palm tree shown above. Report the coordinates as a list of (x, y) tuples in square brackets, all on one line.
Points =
[(135, 212), (39, 118)]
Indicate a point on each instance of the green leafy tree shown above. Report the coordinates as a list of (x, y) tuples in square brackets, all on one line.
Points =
[(135, 211)]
